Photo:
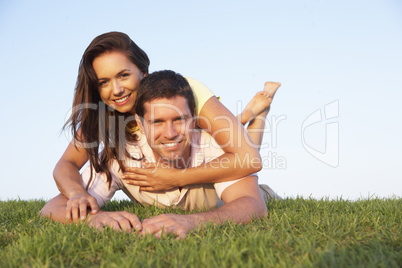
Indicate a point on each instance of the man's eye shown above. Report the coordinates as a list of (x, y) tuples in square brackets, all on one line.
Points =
[(180, 120), (125, 75)]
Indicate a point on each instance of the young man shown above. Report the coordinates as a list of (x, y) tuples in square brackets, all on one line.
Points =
[(168, 136)]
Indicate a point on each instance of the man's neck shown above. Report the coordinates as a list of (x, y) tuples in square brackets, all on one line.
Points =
[(182, 162)]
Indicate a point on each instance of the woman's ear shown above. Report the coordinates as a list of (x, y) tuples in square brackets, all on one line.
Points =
[(139, 123)]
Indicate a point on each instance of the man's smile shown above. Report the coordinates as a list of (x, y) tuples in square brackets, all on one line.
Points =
[(171, 145)]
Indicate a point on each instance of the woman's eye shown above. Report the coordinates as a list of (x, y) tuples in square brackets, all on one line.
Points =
[(102, 83)]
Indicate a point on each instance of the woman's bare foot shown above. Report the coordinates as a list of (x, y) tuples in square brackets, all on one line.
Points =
[(260, 103)]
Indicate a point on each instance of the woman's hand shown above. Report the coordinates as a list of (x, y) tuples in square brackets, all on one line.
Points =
[(78, 204), (152, 177)]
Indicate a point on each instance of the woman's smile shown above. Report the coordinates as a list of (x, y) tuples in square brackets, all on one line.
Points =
[(123, 100)]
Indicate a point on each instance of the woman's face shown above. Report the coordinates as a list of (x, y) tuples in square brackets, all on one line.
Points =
[(118, 79)]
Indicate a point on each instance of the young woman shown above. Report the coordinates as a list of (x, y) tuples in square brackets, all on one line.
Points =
[(110, 72)]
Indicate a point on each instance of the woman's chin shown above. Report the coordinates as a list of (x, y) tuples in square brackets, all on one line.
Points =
[(123, 109)]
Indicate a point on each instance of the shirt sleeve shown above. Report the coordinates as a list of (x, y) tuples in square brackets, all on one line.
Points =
[(221, 186), (210, 150), (99, 187), (201, 93)]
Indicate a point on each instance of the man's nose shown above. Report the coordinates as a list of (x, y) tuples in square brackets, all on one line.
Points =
[(117, 88), (170, 131)]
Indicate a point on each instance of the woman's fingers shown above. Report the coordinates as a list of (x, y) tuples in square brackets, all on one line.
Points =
[(77, 207), (83, 211), (133, 176), (93, 204)]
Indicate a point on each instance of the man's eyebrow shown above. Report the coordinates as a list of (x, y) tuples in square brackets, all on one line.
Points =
[(181, 117), (153, 120), (175, 118)]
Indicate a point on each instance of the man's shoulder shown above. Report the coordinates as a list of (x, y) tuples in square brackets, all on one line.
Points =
[(140, 149), (209, 144)]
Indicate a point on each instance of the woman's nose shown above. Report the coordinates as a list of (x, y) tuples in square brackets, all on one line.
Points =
[(117, 88)]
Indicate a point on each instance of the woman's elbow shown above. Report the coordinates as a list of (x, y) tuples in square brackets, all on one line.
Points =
[(254, 162)]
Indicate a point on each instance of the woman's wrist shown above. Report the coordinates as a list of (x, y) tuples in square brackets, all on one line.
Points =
[(76, 191), (180, 178)]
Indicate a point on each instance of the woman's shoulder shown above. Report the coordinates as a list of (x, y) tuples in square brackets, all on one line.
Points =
[(201, 92)]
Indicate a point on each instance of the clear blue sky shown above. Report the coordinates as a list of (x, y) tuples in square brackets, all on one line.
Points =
[(347, 53)]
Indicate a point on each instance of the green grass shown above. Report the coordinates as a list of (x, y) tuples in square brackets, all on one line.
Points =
[(297, 233)]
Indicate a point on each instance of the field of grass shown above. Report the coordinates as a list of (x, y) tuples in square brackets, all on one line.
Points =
[(297, 233)]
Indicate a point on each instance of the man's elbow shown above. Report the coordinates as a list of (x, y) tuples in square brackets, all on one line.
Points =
[(257, 208), (260, 209)]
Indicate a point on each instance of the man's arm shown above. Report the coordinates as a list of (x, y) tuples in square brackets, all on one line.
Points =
[(243, 202), (55, 209)]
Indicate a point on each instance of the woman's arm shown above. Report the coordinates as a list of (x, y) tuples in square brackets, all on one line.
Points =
[(69, 182), (240, 159), (118, 220)]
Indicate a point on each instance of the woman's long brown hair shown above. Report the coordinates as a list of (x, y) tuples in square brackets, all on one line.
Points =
[(94, 126)]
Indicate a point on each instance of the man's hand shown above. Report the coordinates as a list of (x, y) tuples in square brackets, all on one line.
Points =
[(152, 177), (78, 204), (179, 225), (118, 220)]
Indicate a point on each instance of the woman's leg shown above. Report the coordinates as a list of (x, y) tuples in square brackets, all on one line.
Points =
[(257, 110)]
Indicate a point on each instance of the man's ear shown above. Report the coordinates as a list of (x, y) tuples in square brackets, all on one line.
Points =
[(139, 123), (194, 122)]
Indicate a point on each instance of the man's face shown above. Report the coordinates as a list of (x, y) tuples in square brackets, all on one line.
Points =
[(168, 126)]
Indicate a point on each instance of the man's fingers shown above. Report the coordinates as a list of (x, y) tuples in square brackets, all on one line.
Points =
[(160, 233), (181, 235), (127, 221), (124, 224), (181, 232), (150, 226), (114, 225), (135, 221)]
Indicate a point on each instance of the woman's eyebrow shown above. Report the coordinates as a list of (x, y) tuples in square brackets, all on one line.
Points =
[(123, 71), (119, 73)]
